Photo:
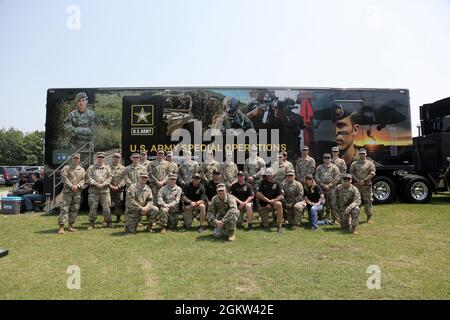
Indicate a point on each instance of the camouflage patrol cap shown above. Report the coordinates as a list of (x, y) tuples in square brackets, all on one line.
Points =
[(100, 154), (309, 175), (209, 152), (169, 153), (362, 150), (254, 148), (76, 155), (305, 148), (228, 153), (242, 173), (187, 153), (116, 155), (143, 152), (217, 172), (347, 176), (160, 151), (290, 173), (79, 96), (135, 155), (221, 187), (326, 155), (335, 149), (196, 176), (280, 155), (143, 175), (269, 172), (173, 176)]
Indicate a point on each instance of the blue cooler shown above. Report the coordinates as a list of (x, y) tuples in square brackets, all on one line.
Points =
[(10, 205)]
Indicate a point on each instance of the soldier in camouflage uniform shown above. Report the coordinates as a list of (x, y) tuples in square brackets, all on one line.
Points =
[(327, 177), (362, 171), (254, 167), (187, 169), (80, 123), (118, 182), (305, 165), (293, 200), (348, 200), (72, 176), (133, 170), (223, 213), (229, 170), (169, 197), (173, 167), (281, 167), (98, 177), (232, 118), (339, 162), (158, 170), (139, 202), (143, 159), (208, 167)]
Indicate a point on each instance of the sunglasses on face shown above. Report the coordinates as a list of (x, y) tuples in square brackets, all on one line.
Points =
[(347, 179), (100, 157), (308, 178), (327, 158)]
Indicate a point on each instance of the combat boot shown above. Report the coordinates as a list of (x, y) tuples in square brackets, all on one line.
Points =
[(117, 219), (71, 228), (353, 230), (61, 229), (163, 230), (232, 236), (369, 220), (91, 225), (150, 228)]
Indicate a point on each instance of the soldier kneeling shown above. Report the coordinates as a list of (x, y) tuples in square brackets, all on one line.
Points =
[(169, 197), (223, 213), (139, 202), (348, 201)]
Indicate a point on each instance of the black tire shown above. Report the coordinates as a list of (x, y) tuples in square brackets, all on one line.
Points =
[(417, 189), (383, 190)]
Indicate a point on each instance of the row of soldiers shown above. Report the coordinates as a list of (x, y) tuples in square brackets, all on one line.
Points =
[(161, 199)]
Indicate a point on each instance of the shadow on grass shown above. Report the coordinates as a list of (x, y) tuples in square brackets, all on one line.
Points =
[(210, 237)]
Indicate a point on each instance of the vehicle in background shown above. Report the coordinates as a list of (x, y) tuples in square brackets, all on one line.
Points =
[(2, 180), (10, 174), (35, 169)]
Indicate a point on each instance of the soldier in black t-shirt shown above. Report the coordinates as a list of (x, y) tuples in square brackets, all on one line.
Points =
[(270, 194), (243, 192), (194, 197), (211, 186)]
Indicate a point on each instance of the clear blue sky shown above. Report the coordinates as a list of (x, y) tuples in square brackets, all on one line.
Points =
[(353, 43)]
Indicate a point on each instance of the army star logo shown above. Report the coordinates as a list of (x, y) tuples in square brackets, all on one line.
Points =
[(142, 115)]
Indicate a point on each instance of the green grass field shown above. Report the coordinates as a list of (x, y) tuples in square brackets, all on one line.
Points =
[(410, 243)]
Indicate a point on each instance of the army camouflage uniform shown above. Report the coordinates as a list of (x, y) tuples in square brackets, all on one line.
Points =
[(293, 195), (157, 171), (71, 176), (186, 171), (304, 167), (169, 197), (102, 175), (281, 171), (225, 210), (207, 169), (138, 198), (144, 163), (132, 173), (348, 201), (80, 127), (340, 163), (229, 173), (253, 168), (118, 179), (173, 167), (324, 176), (361, 170)]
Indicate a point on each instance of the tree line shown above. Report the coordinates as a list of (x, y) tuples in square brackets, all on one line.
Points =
[(21, 148)]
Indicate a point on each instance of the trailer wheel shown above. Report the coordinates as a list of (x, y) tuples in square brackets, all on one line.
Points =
[(417, 190), (383, 190)]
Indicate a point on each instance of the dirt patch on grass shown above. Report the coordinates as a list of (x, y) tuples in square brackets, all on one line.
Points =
[(151, 281)]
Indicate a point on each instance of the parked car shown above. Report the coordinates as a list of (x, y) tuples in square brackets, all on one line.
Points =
[(10, 174), (21, 169), (2, 180), (37, 169)]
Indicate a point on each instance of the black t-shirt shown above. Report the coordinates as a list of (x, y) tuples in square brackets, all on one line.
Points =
[(242, 192), (194, 193), (38, 186), (270, 191), (313, 193), (211, 189)]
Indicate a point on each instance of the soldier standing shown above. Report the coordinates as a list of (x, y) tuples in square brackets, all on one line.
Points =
[(254, 167), (223, 213), (80, 123), (208, 167), (158, 170), (362, 171), (305, 165), (139, 202), (72, 176), (99, 177), (143, 158), (327, 177), (187, 169), (244, 194), (118, 182), (169, 197), (173, 167), (229, 170), (339, 162), (281, 167), (348, 201), (194, 198), (293, 200)]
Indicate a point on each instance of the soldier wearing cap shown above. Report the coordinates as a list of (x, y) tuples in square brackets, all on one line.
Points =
[(208, 166), (187, 169), (229, 170), (254, 166), (293, 200), (169, 197), (211, 186), (244, 194), (363, 171), (139, 202), (80, 123), (98, 177), (281, 167), (348, 200), (158, 170), (223, 213), (73, 177), (173, 167), (305, 165), (347, 128), (117, 185), (270, 195), (194, 199), (133, 170), (143, 158), (327, 177), (339, 162)]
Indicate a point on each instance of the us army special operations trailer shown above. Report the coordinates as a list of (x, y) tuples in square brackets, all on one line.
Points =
[(276, 120)]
